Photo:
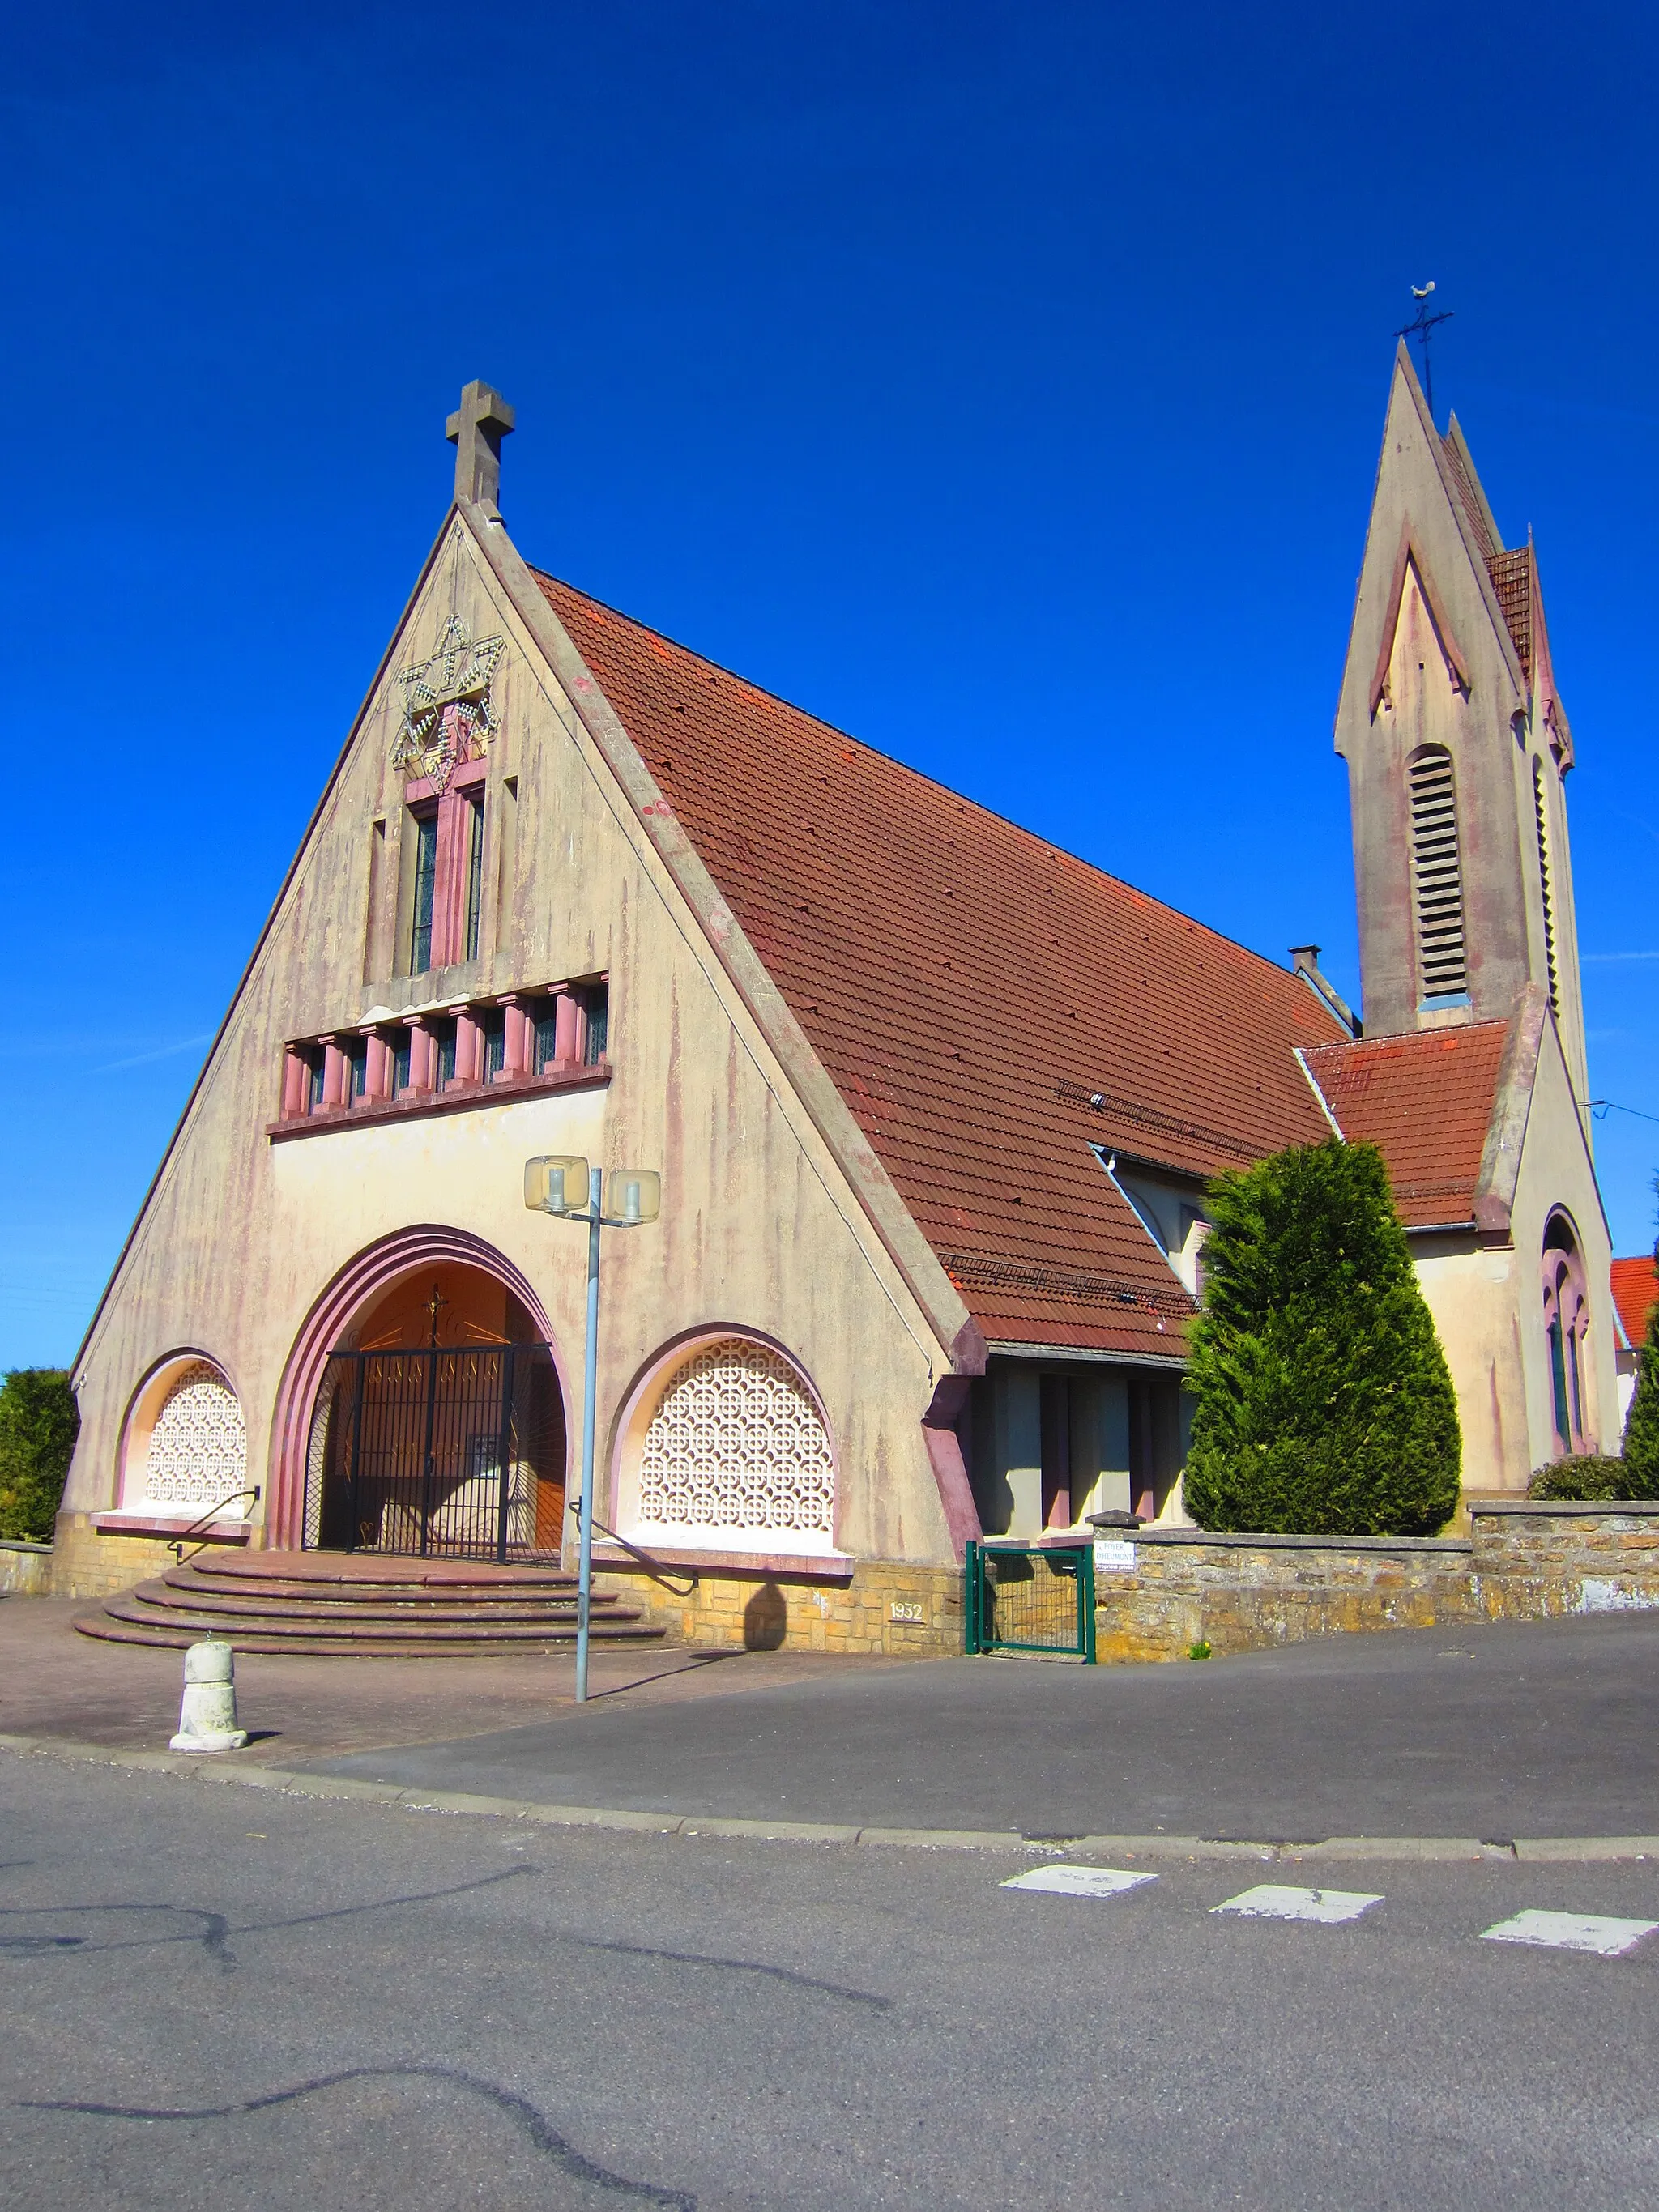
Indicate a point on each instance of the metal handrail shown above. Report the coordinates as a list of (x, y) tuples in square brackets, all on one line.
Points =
[(654, 1568), (176, 1545)]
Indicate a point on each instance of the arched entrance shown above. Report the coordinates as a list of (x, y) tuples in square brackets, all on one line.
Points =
[(423, 1414)]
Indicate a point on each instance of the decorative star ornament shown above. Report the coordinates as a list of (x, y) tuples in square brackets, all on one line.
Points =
[(448, 717)]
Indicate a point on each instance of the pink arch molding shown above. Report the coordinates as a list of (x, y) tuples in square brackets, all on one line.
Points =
[(358, 1282)]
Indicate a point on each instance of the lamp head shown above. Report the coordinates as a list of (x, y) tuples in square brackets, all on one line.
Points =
[(636, 1193), (555, 1183)]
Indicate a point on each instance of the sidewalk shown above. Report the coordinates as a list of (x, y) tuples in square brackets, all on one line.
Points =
[(53, 1682)]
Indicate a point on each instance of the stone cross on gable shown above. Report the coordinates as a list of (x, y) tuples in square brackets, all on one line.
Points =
[(476, 430)]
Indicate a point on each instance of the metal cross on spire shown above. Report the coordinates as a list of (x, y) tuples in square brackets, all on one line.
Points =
[(1419, 327), (476, 430)]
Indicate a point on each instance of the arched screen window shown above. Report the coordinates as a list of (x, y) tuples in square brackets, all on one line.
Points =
[(730, 1448), (1566, 1327), (1541, 815), (185, 1448), (1437, 873)]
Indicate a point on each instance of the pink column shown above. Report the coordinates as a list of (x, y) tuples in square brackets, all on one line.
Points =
[(566, 1037), (337, 1074), (519, 1046), (469, 1048), (422, 1059), (380, 1065), (296, 1085)]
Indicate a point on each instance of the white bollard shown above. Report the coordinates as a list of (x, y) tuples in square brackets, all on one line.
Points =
[(207, 1719)]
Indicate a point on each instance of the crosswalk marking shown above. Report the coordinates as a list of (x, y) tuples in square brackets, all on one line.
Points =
[(1571, 1931), (1078, 1880), (1274, 1901), (1598, 1933)]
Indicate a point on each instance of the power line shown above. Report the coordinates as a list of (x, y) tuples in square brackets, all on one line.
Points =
[(1603, 1107)]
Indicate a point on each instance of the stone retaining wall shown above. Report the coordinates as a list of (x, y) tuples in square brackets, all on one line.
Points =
[(1523, 1560), (25, 1569)]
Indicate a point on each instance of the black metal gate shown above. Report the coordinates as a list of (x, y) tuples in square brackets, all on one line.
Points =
[(446, 1452)]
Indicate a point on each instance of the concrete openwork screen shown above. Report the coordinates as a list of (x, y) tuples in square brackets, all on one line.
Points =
[(737, 1447), (187, 1448)]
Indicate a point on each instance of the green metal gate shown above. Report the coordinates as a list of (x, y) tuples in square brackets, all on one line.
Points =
[(1031, 1597)]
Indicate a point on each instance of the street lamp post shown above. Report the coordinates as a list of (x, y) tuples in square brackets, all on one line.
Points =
[(568, 1189)]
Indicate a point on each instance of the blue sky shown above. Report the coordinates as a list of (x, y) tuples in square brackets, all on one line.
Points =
[(911, 360)]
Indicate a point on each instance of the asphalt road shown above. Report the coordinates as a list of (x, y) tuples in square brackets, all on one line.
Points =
[(1517, 1729), (224, 1998)]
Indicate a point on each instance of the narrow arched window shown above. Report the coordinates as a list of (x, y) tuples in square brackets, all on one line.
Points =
[(1438, 873), (1541, 816), (1566, 1329)]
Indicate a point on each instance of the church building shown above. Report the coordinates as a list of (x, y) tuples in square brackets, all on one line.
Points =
[(933, 1104)]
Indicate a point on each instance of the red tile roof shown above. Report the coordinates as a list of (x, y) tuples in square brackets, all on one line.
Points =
[(1511, 579), (1469, 497), (1635, 1293), (1426, 1102), (1511, 572), (987, 1004)]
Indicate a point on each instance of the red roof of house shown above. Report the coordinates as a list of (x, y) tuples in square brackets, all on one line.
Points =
[(1635, 1293), (987, 1004), (1426, 1100)]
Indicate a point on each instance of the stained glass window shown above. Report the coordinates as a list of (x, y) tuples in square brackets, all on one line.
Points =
[(474, 874), (494, 1026), (426, 875), (597, 1001)]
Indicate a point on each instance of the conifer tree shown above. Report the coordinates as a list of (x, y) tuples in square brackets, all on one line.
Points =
[(1324, 1403), (1642, 1422), (38, 1422)]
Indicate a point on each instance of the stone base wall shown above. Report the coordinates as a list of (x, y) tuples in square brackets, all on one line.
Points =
[(1241, 1594), (888, 1609), (25, 1569), (87, 1564), (1523, 1561)]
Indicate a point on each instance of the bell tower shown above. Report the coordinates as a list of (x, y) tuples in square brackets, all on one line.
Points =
[(1458, 749)]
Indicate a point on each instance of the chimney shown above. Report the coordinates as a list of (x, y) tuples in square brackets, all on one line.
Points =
[(476, 430)]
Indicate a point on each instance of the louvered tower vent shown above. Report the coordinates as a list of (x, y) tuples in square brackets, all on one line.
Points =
[(1442, 958), (1541, 815)]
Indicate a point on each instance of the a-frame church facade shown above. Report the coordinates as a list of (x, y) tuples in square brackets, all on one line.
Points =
[(933, 1104)]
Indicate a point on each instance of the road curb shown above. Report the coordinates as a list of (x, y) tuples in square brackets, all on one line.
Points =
[(221, 1767)]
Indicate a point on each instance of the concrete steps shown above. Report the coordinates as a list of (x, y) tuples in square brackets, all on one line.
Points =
[(339, 1605)]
